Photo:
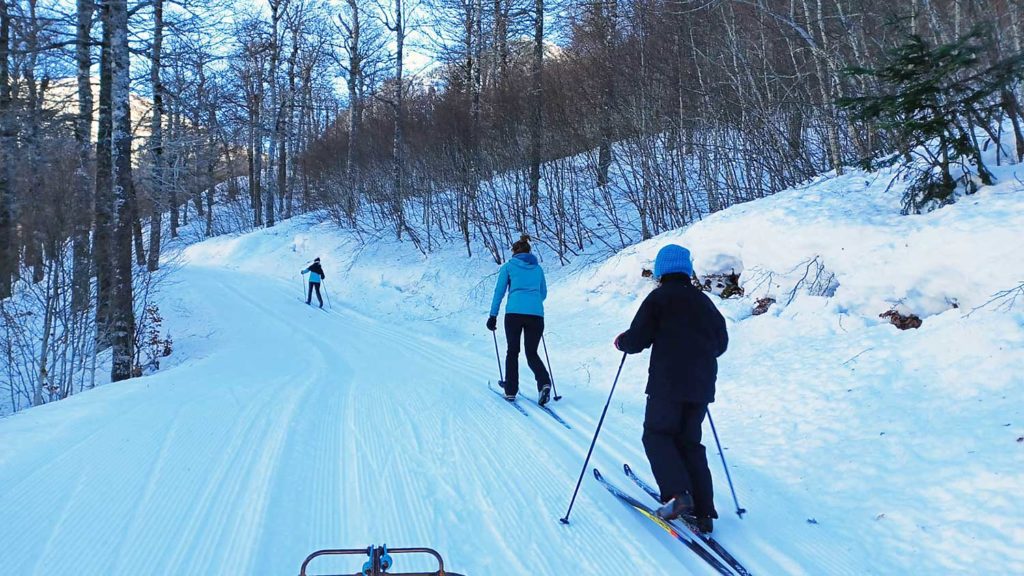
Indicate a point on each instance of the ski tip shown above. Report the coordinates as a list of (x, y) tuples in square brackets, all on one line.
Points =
[(627, 469), (597, 473)]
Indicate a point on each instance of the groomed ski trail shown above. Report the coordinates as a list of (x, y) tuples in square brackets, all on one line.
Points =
[(289, 430), (296, 431)]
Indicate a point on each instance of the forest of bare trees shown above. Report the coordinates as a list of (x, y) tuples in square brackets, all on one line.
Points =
[(608, 122), (124, 124)]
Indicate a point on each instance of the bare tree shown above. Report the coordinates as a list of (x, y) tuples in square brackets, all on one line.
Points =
[(83, 173), (122, 309), (156, 142), (8, 252), (536, 101)]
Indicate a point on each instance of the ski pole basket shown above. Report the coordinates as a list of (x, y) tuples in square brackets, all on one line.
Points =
[(379, 561)]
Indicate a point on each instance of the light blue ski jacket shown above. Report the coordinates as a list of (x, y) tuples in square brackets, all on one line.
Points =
[(523, 279), (314, 278)]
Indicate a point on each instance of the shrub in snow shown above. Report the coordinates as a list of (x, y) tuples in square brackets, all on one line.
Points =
[(724, 285), (901, 321), (155, 346), (1005, 300), (817, 280), (762, 305)]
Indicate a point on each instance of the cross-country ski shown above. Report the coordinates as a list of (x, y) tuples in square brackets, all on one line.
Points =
[(707, 539), (682, 535)]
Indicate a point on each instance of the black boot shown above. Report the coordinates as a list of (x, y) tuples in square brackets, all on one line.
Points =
[(701, 520), (702, 524), (545, 395), (681, 505), (509, 397)]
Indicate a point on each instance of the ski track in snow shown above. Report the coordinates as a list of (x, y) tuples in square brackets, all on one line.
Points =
[(300, 430)]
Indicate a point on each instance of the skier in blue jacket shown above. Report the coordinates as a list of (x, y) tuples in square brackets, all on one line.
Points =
[(523, 279), (316, 275)]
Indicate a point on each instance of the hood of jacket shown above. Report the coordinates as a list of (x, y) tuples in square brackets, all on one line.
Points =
[(525, 260)]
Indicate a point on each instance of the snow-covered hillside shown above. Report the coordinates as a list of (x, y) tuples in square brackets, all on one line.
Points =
[(279, 429)]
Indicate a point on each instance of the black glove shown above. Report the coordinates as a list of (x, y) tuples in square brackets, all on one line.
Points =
[(492, 323), (617, 338)]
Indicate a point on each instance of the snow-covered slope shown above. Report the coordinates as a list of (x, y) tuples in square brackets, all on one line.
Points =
[(280, 429)]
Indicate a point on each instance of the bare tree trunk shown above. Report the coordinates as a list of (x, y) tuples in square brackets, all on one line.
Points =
[(8, 251), (156, 140), (536, 101), (474, 58), (285, 128), (211, 161), (137, 234), (208, 107), (398, 144), (50, 303), (277, 8), (250, 162), (123, 313), (827, 81), (171, 185), (82, 206), (501, 55), (229, 159), (38, 232), (354, 48), (256, 163), (103, 259), (608, 17)]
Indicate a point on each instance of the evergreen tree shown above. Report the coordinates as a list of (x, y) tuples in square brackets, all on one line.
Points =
[(931, 99)]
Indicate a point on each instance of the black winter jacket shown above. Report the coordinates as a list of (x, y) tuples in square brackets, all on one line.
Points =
[(687, 333), (315, 267)]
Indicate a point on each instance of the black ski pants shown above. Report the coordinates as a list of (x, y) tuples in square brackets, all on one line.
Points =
[(672, 432), (309, 296), (516, 326)]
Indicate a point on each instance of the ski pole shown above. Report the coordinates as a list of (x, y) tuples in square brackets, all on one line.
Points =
[(586, 461), (739, 511), (551, 373), (497, 355), (328, 296), (305, 287)]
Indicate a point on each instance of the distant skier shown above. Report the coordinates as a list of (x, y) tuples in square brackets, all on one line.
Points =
[(316, 275), (688, 334), (523, 279)]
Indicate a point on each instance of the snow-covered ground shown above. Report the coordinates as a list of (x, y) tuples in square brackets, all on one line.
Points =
[(277, 429)]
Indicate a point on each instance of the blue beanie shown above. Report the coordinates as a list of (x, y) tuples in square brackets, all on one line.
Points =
[(673, 259)]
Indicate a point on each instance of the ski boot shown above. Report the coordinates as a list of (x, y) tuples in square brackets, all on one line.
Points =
[(509, 397), (681, 505), (545, 395), (703, 523)]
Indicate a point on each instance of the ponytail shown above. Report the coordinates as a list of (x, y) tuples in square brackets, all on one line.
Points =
[(522, 246)]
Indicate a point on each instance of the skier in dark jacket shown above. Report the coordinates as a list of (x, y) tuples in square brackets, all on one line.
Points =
[(316, 275), (687, 334), (523, 279)]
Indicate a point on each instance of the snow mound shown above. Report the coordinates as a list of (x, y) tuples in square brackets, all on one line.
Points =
[(844, 238)]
